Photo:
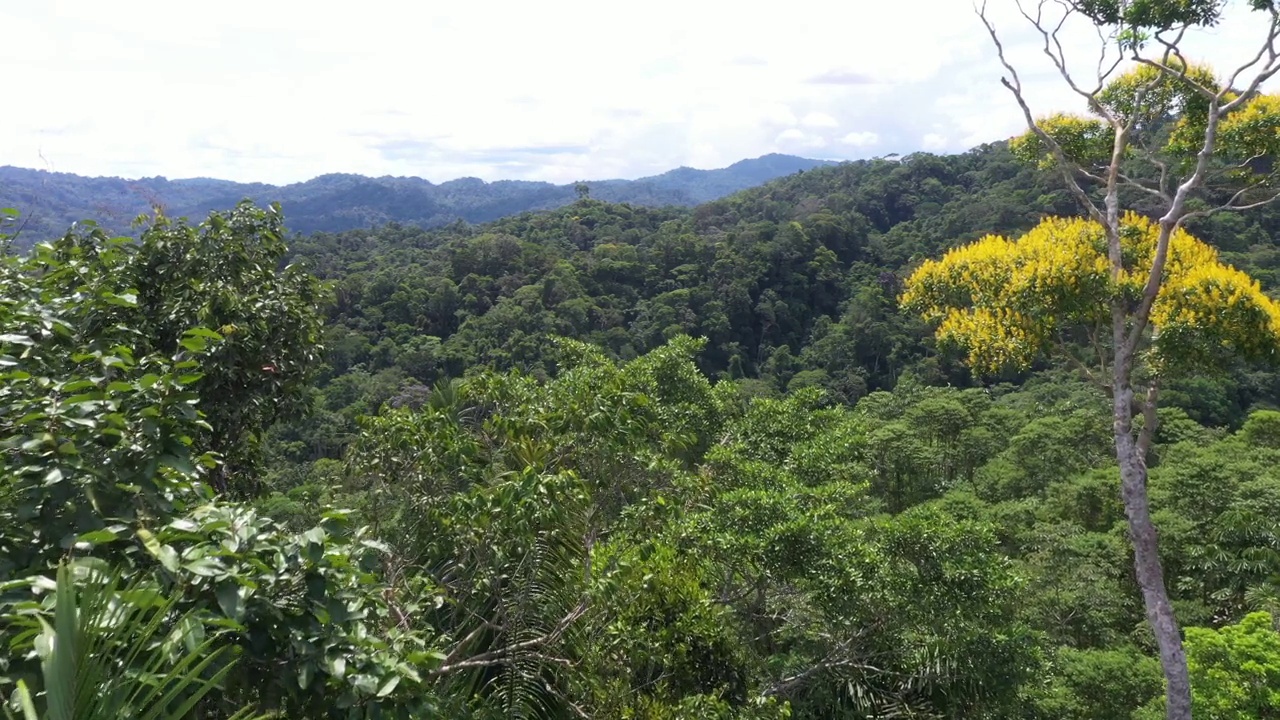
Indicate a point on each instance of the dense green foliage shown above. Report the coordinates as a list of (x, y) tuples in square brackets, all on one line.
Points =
[(612, 462), (793, 284)]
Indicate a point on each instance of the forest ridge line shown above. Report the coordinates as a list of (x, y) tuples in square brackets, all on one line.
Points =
[(51, 201)]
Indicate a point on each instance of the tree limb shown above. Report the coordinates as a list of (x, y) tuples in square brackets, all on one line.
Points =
[(1102, 58), (1230, 205), (1053, 50), (1097, 350), (1133, 183), (464, 642), (1269, 50), (1081, 366), (1015, 87), (1168, 223), (503, 655), (1164, 178), (788, 684), (1172, 49)]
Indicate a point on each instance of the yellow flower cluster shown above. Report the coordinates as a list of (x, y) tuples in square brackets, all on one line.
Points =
[(1253, 130), (1210, 312), (1250, 131), (1003, 301), (1083, 140), (1007, 338)]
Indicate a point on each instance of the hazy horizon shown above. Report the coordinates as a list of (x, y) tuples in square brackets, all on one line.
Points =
[(418, 177), (283, 92)]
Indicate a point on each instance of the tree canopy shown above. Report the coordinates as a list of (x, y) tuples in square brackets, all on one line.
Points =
[(1007, 302), (621, 462)]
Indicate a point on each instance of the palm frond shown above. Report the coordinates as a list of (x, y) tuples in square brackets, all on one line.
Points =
[(104, 656)]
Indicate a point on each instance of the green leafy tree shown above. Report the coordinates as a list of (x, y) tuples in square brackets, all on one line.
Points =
[(1235, 670), (92, 433), (1163, 129), (101, 447), (225, 274), (1098, 684)]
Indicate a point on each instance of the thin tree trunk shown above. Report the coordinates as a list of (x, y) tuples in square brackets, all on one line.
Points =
[(1146, 555)]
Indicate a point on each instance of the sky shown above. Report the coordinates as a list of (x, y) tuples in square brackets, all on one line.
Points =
[(281, 91)]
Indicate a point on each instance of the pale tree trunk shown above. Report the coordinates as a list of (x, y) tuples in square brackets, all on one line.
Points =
[(1146, 554), (1129, 323)]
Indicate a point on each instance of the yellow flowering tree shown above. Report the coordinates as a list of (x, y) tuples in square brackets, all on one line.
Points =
[(1156, 126), (1006, 303)]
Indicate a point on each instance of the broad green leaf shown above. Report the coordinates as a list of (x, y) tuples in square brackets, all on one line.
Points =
[(98, 537), (389, 686), (166, 555), (367, 684), (231, 599), (203, 332), (206, 567)]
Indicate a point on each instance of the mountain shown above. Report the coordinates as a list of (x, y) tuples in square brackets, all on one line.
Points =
[(50, 202)]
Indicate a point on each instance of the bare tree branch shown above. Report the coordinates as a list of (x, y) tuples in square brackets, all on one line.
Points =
[(1097, 350), (1231, 205), (1015, 87), (1174, 48), (1094, 177), (1269, 50), (22, 226), (1053, 50), (1168, 223), (1133, 183), (503, 655), (1174, 217), (1064, 349), (1164, 177), (1165, 67), (462, 644), (788, 684), (1269, 70), (1105, 43), (1246, 163)]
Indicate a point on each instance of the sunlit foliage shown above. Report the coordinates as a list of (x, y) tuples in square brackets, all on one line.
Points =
[(1006, 302)]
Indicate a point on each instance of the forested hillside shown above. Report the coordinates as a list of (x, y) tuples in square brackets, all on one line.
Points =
[(51, 202), (607, 461), (812, 435), (993, 435), (792, 284)]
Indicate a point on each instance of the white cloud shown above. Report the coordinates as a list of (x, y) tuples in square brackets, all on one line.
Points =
[(933, 142), (794, 139), (286, 90), (779, 114), (860, 139), (819, 120)]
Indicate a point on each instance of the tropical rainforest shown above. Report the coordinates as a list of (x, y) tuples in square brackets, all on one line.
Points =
[(799, 452)]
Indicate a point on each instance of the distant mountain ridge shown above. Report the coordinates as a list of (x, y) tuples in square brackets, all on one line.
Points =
[(50, 202)]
